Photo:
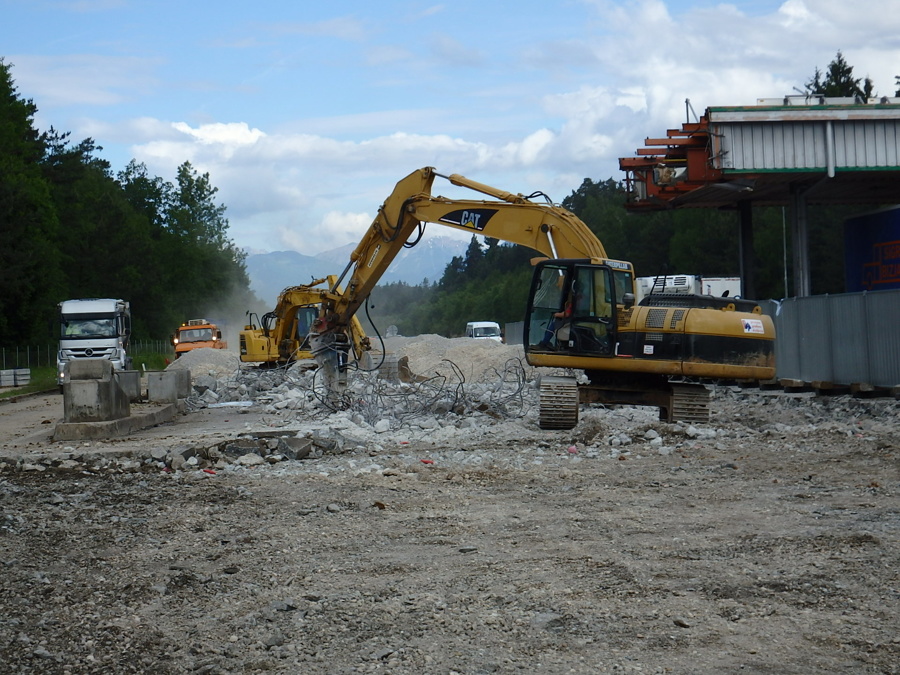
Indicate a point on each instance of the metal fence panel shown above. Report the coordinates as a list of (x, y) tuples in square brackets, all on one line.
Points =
[(883, 321), (850, 328), (814, 333), (28, 356), (787, 336), (514, 333), (852, 338), (36, 356)]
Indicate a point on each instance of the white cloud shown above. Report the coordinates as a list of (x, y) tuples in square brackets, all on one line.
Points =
[(633, 98), (794, 14), (534, 146), (868, 18), (386, 54), (135, 130), (281, 189), (228, 137), (326, 135), (334, 229)]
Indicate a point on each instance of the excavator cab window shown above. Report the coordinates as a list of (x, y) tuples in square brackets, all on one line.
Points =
[(571, 309), (624, 284), (305, 318), (547, 298)]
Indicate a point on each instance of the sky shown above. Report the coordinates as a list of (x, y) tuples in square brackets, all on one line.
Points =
[(306, 114)]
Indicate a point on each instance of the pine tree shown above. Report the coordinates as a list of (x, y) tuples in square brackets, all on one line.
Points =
[(839, 81), (29, 255)]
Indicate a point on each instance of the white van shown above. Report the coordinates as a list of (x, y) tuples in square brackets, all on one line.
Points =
[(484, 330)]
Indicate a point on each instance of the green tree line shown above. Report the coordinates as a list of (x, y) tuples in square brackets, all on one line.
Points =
[(71, 228)]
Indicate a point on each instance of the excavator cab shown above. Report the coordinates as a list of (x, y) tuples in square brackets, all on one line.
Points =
[(305, 317), (571, 308)]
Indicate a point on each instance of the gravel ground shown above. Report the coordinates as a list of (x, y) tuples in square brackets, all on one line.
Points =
[(766, 541)]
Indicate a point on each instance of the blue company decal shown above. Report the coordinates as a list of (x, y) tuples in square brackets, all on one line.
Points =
[(471, 219)]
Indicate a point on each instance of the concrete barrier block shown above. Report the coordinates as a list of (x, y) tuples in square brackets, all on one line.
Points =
[(183, 382), (167, 386), (94, 401), (130, 382), (90, 369)]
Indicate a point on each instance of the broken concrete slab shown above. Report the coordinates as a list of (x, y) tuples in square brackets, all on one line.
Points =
[(76, 431)]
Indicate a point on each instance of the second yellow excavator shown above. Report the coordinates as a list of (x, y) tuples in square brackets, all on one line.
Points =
[(581, 313), (282, 336)]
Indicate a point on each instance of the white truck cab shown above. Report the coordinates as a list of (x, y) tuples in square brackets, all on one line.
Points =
[(484, 330), (93, 328)]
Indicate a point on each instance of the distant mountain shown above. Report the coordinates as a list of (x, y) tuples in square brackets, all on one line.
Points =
[(271, 273)]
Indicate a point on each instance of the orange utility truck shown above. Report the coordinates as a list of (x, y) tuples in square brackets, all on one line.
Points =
[(197, 333)]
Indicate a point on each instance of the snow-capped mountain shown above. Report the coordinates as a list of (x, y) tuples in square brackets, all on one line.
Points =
[(271, 273)]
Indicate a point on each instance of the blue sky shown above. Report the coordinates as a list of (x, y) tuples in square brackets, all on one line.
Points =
[(305, 115)]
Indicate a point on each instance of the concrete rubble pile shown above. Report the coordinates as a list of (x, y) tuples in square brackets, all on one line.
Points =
[(457, 413), (480, 399), (382, 401)]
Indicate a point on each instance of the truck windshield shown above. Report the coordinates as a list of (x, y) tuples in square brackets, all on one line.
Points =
[(89, 328), (195, 335), (487, 331)]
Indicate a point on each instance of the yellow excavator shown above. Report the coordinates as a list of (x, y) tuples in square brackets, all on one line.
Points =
[(581, 312), (282, 336)]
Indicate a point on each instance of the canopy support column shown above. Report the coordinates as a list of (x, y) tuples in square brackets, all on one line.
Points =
[(747, 253)]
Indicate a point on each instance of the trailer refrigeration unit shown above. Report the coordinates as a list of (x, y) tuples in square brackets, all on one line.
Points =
[(688, 284), (93, 328)]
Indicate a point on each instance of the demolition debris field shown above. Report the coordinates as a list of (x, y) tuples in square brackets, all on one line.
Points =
[(448, 534)]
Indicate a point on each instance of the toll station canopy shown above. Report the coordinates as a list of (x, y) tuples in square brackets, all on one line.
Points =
[(794, 151)]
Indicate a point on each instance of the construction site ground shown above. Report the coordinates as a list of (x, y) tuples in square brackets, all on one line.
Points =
[(766, 541)]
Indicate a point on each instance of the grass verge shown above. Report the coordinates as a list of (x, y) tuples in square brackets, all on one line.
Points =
[(43, 378)]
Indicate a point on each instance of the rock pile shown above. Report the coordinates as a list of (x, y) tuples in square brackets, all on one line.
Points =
[(452, 376), (474, 403), (480, 395)]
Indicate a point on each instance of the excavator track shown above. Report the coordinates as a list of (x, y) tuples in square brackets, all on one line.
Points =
[(558, 403), (690, 403)]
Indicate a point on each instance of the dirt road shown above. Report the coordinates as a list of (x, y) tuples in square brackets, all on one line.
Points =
[(765, 542)]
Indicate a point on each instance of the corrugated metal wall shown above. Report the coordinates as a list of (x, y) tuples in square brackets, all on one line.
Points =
[(784, 146), (852, 338), (867, 144)]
